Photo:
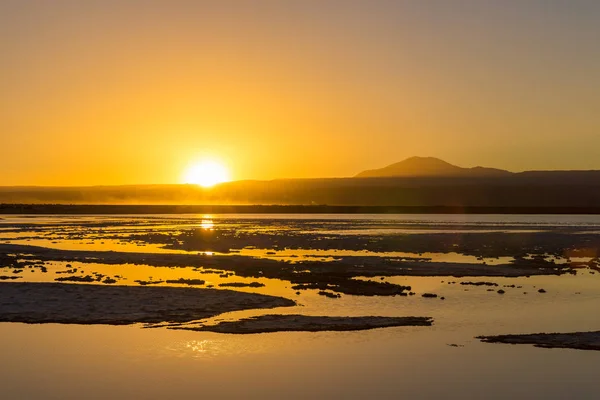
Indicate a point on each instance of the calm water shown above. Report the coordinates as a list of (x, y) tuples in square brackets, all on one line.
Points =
[(70, 361)]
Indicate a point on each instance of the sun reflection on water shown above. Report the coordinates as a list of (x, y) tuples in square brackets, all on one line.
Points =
[(207, 224), (208, 348), (196, 348), (199, 346)]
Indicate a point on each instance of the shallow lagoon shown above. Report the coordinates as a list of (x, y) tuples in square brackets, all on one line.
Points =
[(445, 360)]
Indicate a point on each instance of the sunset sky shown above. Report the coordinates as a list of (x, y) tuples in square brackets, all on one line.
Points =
[(119, 92)]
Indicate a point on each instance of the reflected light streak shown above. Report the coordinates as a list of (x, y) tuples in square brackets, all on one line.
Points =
[(207, 224)]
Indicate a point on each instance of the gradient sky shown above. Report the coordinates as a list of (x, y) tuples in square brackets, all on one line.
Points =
[(117, 92)]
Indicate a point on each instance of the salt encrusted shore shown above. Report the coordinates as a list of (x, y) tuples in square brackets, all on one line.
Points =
[(120, 305), (572, 340), (308, 323), (337, 275)]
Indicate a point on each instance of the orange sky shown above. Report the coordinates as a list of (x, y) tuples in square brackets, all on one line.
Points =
[(117, 92)]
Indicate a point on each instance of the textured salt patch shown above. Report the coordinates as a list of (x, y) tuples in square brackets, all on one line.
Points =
[(119, 305)]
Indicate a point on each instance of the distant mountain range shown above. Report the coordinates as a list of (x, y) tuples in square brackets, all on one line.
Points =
[(430, 166), (414, 182)]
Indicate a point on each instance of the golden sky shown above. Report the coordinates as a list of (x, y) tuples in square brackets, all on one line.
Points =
[(117, 92)]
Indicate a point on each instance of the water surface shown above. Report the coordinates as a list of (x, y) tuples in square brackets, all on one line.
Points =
[(445, 360)]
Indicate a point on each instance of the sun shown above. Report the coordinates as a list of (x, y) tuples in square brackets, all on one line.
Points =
[(206, 173)]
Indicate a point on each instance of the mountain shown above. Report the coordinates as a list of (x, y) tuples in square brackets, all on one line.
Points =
[(430, 167), (415, 182)]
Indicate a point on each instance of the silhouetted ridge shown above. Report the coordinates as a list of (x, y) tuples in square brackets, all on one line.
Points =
[(424, 183), (430, 166)]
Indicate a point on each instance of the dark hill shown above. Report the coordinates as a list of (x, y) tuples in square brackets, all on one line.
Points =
[(430, 167), (415, 182)]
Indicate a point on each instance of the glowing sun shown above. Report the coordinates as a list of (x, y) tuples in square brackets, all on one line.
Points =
[(206, 173)]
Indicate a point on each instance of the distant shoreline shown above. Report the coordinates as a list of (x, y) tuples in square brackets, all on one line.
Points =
[(115, 209)]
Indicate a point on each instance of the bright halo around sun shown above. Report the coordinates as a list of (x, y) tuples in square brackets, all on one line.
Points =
[(206, 173)]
